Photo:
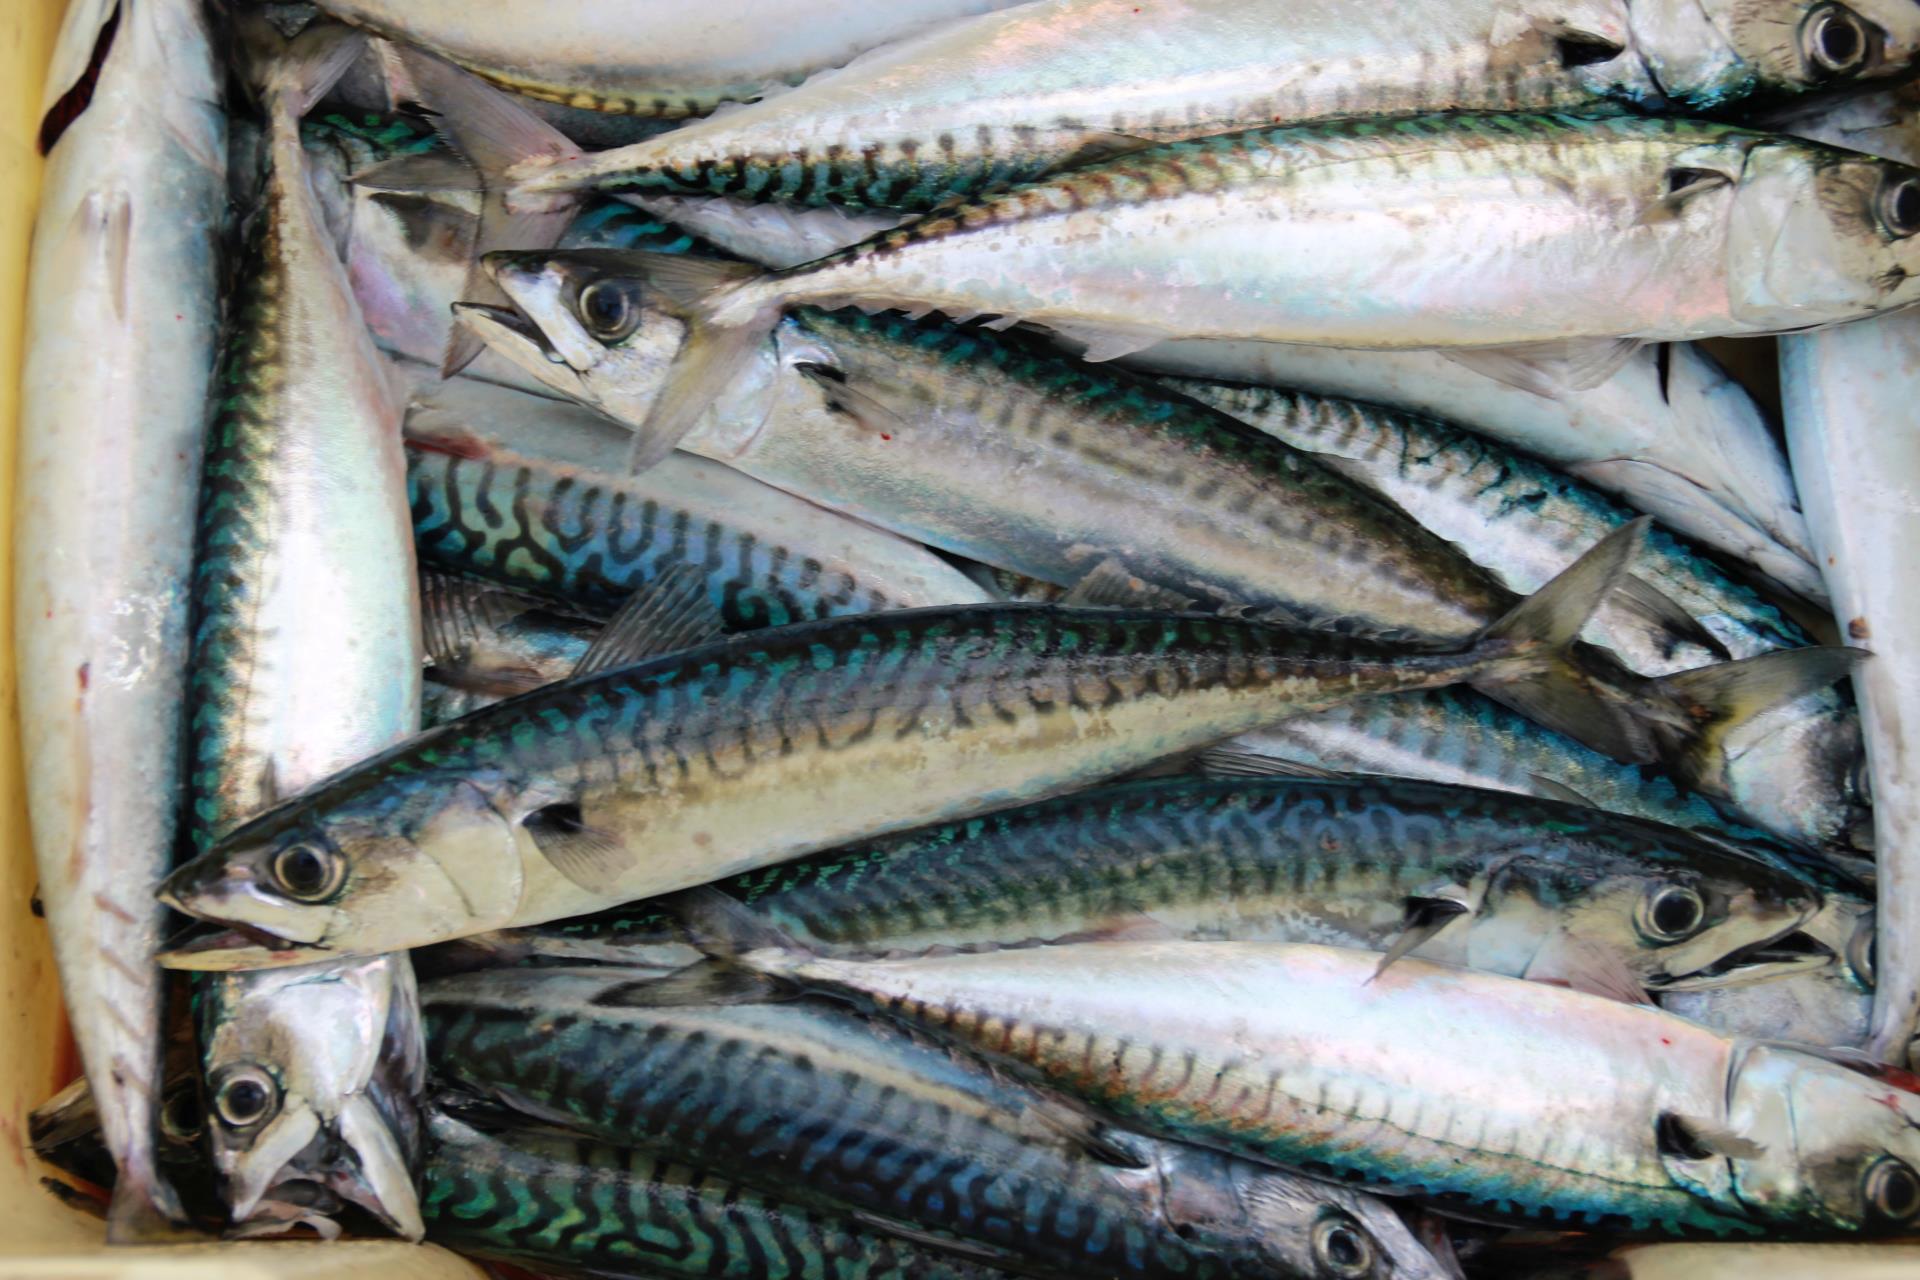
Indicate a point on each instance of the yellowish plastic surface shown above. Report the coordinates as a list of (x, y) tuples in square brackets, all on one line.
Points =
[(40, 1237)]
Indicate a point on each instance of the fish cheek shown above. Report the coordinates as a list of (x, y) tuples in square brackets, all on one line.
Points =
[(1799, 240)]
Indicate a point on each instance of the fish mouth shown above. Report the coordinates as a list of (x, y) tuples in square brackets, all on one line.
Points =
[(1792, 952), (210, 949), (518, 340)]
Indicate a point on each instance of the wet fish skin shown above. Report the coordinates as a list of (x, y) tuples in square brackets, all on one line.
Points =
[(1551, 891), (1076, 253), (1669, 433), (123, 319), (1378, 1079), (624, 1212), (771, 744), (1844, 393), (536, 496), (857, 1113), (1014, 95), (1794, 774), (662, 61), (302, 498)]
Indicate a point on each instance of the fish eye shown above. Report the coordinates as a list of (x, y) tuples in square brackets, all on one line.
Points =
[(307, 873), (1898, 205), (1672, 914), (246, 1096), (1835, 40), (1341, 1248), (1893, 1190), (610, 308), (181, 1120)]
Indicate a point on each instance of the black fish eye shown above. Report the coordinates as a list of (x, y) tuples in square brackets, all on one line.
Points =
[(307, 873), (1672, 913), (1899, 205), (1835, 40), (1892, 1190), (610, 308), (1861, 954), (245, 1096), (1342, 1249), (180, 1118)]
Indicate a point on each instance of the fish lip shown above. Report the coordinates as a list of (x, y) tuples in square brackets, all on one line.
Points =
[(201, 949), (1793, 951)]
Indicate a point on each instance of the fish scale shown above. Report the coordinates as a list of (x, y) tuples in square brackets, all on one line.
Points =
[(820, 1104), (1311, 1088), (548, 1197)]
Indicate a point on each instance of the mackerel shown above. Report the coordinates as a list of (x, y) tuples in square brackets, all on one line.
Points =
[(552, 1200), (535, 495), (677, 770), (1569, 241), (1016, 94), (815, 1102), (1530, 888), (302, 497), (1524, 522), (123, 319), (1491, 1096)]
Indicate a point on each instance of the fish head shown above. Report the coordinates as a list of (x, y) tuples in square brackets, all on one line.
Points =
[(1303, 1227), (583, 325), (1647, 905), (1816, 235), (381, 860), (1826, 1143), (293, 1059), (1799, 769), (1706, 54)]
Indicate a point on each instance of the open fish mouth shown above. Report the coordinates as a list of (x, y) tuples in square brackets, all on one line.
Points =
[(1792, 952), (505, 330), (205, 948)]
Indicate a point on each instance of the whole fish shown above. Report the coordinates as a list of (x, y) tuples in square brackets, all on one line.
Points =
[(1846, 395), (535, 495), (1669, 433), (779, 743), (651, 60), (122, 322), (1009, 454), (1496, 1097), (1018, 93), (1525, 522), (303, 496), (1568, 241), (550, 1199), (861, 1115), (1526, 887)]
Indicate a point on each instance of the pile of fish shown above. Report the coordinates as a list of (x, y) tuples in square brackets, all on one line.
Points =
[(1077, 638)]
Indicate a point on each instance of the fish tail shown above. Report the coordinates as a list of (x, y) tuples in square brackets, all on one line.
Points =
[(1528, 661), (498, 137), (717, 343), (1713, 702), (296, 74)]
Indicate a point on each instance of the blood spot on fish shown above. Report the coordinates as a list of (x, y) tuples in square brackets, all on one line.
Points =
[(1667, 1042), (1857, 629), (703, 838), (470, 448), (68, 106), (84, 674), (885, 436)]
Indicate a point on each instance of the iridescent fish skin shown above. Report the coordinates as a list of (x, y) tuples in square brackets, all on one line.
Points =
[(1670, 433), (1012, 96), (1497, 1097), (1794, 774), (303, 502), (535, 495), (1847, 396), (122, 323), (621, 1212), (556, 803), (859, 1114), (661, 60), (1544, 889)]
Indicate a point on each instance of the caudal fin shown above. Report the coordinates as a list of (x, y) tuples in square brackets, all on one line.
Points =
[(1533, 666), (496, 134), (1714, 702), (692, 290)]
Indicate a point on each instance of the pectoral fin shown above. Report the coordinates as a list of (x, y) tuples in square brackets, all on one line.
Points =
[(589, 857)]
